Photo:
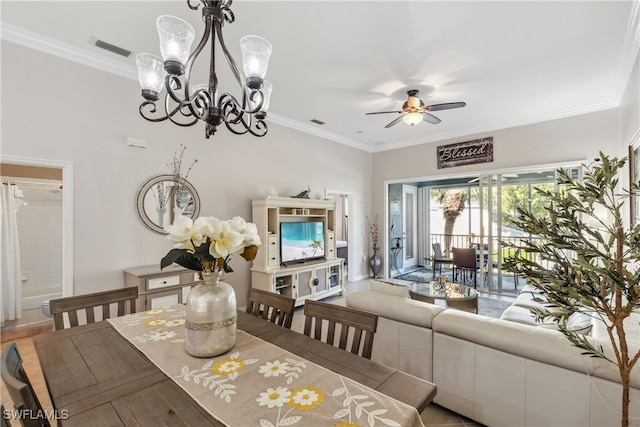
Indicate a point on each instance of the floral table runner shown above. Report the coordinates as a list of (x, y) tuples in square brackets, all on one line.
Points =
[(257, 383)]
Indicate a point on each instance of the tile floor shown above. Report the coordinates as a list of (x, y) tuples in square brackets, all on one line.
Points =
[(432, 416)]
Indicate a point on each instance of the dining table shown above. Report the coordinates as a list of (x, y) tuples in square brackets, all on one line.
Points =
[(129, 371)]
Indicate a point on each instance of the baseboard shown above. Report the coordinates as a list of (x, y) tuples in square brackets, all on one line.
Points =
[(26, 331)]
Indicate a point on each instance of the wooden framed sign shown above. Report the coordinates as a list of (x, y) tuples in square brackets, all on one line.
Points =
[(465, 153)]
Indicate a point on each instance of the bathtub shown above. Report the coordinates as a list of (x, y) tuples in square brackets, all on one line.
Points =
[(32, 314), (33, 298)]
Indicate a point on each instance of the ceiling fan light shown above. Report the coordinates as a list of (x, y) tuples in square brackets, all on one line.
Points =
[(176, 37), (412, 119)]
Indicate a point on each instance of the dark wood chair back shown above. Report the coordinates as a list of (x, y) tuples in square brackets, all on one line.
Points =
[(89, 302), (361, 324), (275, 308), (465, 259), (25, 400)]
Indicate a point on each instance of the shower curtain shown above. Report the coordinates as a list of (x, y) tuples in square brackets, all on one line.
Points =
[(11, 305)]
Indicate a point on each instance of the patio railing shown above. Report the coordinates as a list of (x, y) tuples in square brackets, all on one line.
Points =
[(464, 241)]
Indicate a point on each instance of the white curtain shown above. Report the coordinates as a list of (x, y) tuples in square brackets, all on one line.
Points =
[(11, 305)]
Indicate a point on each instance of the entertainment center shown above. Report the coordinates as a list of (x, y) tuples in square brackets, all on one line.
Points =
[(298, 254)]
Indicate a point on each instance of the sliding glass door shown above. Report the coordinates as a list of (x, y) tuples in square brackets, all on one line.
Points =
[(477, 212)]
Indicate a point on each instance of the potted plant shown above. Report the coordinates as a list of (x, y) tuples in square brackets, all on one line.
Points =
[(583, 259)]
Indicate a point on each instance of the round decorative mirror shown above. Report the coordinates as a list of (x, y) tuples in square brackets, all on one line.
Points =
[(159, 195)]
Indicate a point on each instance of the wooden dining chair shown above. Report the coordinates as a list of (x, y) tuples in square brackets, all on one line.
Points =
[(88, 303), (275, 308), (4, 421), (361, 324), (465, 261), (439, 258), (22, 393)]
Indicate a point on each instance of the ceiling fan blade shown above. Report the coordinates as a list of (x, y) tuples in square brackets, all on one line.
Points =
[(430, 118), (445, 106), (385, 112), (394, 122)]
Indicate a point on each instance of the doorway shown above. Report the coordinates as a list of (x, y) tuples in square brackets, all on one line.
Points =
[(409, 226), (48, 187)]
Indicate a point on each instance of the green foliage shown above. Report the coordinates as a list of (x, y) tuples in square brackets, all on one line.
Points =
[(201, 259), (522, 196), (583, 259)]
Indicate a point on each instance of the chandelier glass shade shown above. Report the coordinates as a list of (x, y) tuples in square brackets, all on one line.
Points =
[(186, 104)]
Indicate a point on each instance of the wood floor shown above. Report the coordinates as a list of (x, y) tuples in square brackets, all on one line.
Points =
[(432, 416)]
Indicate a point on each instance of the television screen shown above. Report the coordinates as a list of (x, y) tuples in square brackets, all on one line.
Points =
[(301, 241)]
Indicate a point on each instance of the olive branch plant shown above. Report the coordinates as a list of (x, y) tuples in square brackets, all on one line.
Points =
[(583, 261)]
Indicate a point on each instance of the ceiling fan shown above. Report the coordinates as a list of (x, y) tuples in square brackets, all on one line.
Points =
[(414, 111)]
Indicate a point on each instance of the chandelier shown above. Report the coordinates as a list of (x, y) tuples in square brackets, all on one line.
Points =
[(186, 104)]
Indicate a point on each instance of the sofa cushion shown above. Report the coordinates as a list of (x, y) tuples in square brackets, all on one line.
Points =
[(518, 314), (528, 300), (394, 307), (389, 288), (579, 323), (543, 345)]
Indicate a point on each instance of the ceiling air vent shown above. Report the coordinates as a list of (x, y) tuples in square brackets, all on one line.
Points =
[(111, 48), (316, 121)]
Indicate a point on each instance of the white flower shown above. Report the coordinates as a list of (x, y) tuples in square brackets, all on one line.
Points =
[(230, 365), (273, 369), (162, 335), (174, 322), (248, 230), (274, 397), (224, 240), (307, 398), (184, 232)]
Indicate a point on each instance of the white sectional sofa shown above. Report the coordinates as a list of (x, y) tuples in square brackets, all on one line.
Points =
[(495, 371)]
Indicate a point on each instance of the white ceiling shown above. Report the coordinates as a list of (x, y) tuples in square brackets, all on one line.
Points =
[(512, 62)]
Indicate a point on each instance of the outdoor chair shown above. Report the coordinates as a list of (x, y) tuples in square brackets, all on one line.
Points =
[(275, 308), (87, 304), (22, 393), (465, 261), (439, 258), (361, 323)]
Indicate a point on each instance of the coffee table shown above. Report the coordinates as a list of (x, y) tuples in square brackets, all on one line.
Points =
[(457, 296)]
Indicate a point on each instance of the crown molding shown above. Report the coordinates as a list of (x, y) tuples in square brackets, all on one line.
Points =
[(311, 130), (66, 51), (630, 51)]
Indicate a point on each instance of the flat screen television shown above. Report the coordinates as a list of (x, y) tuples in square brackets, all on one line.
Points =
[(301, 241)]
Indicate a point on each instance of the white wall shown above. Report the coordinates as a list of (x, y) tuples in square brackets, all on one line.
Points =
[(630, 106), (56, 109)]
